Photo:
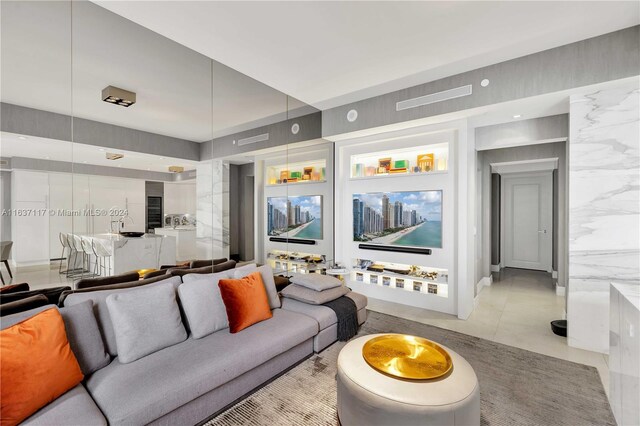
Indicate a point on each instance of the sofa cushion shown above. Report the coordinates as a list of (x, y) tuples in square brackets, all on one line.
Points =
[(206, 262), (99, 296), (13, 319), (203, 305), (14, 288), (359, 299), (84, 337), (38, 365), (52, 294), (129, 284), (145, 321), (211, 276), (23, 305), (245, 301), (172, 377), (112, 279), (74, 408), (317, 282), (230, 264), (306, 295), (323, 315)]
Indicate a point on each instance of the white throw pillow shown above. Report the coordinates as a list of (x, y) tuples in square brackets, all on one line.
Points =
[(203, 305), (317, 282), (145, 321)]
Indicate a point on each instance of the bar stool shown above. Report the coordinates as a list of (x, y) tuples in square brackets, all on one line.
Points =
[(65, 248), (72, 271), (88, 252), (103, 257), (5, 252)]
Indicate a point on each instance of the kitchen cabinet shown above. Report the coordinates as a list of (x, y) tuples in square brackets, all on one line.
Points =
[(30, 217)]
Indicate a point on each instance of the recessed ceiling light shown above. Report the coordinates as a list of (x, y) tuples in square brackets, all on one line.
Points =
[(101, 149), (47, 157), (517, 116), (162, 158), (84, 162), (22, 138)]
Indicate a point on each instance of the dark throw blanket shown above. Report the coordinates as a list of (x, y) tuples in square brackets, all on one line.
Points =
[(347, 313)]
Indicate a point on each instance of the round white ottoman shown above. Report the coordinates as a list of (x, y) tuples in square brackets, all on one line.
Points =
[(368, 397)]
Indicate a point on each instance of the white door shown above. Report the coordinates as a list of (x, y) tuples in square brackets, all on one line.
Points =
[(528, 213)]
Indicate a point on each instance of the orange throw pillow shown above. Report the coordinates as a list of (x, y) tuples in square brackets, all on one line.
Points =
[(245, 300), (36, 365)]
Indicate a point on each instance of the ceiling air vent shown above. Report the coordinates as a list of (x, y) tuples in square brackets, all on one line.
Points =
[(113, 156), (117, 96), (433, 98), (253, 139)]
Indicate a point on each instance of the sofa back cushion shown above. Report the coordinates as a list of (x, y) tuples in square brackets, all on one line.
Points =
[(99, 297), (23, 305), (206, 262), (245, 301), (37, 365), (317, 282), (112, 279), (145, 321), (84, 337), (215, 275), (229, 264), (202, 304), (306, 295), (267, 278)]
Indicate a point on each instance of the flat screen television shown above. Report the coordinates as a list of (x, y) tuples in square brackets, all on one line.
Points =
[(406, 219), (295, 216)]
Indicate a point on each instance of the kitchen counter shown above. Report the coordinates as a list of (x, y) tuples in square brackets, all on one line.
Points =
[(185, 241), (149, 251)]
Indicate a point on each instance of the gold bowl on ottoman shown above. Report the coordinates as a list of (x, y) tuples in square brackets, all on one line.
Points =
[(407, 357)]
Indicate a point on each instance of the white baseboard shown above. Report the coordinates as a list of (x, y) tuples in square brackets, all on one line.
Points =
[(484, 282), (495, 268), (560, 290), (554, 274)]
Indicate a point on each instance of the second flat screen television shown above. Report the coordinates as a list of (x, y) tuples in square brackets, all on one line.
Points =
[(407, 219), (295, 216)]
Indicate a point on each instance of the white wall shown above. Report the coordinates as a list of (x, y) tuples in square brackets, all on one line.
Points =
[(604, 212)]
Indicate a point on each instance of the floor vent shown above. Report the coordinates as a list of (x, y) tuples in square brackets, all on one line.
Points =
[(433, 98), (253, 139)]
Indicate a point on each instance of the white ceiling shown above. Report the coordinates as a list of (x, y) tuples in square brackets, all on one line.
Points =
[(44, 67), (331, 53), (55, 150)]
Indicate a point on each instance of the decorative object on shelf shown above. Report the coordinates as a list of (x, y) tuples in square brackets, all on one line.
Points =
[(375, 268), (407, 357), (425, 162), (399, 283), (386, 281), (417, 286), (373, 279), (370, 171), (359, 276), (384, 165), (432, 288)]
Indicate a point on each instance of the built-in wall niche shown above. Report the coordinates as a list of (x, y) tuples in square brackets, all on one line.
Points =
[(288, 262), (297, 173), (421, 160), (401, 277)]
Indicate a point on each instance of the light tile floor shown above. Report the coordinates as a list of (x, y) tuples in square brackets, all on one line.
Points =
[(515, 310)]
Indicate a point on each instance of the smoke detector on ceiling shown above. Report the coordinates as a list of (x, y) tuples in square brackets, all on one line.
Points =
[(113, 156), (117, 96), (176, 169)]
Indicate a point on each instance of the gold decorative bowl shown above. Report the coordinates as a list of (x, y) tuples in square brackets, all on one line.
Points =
[(407, 357), (143, 272)]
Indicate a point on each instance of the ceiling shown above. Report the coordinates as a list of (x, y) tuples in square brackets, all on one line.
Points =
[(44, 67), (331, 53), (11, 145)]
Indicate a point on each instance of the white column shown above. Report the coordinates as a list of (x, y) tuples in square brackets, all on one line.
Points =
[(212, 211)]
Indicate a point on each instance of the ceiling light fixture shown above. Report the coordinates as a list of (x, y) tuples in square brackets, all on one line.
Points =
[(517, 116), (101, 149), (176, 169), (115, 95), (113, 156), (22, 138)]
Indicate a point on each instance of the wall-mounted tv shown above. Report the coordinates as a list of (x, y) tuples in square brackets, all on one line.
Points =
[(406, 219), (295, 216)]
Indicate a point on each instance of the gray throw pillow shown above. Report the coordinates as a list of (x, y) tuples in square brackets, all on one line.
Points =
[(203, 306), (267, 278), (317, 282), (84, 337), (217, 275), (145, 321), (306, 295)]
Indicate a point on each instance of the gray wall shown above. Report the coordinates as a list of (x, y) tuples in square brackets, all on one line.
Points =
[(5, 200), (608, 57), (241, 210)]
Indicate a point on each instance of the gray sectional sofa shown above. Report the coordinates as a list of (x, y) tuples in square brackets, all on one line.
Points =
[(191, 381)]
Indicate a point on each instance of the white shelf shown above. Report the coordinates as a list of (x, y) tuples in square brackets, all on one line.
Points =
[(397, 175)]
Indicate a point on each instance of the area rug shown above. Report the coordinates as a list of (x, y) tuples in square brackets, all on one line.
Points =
[(517, 387)]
